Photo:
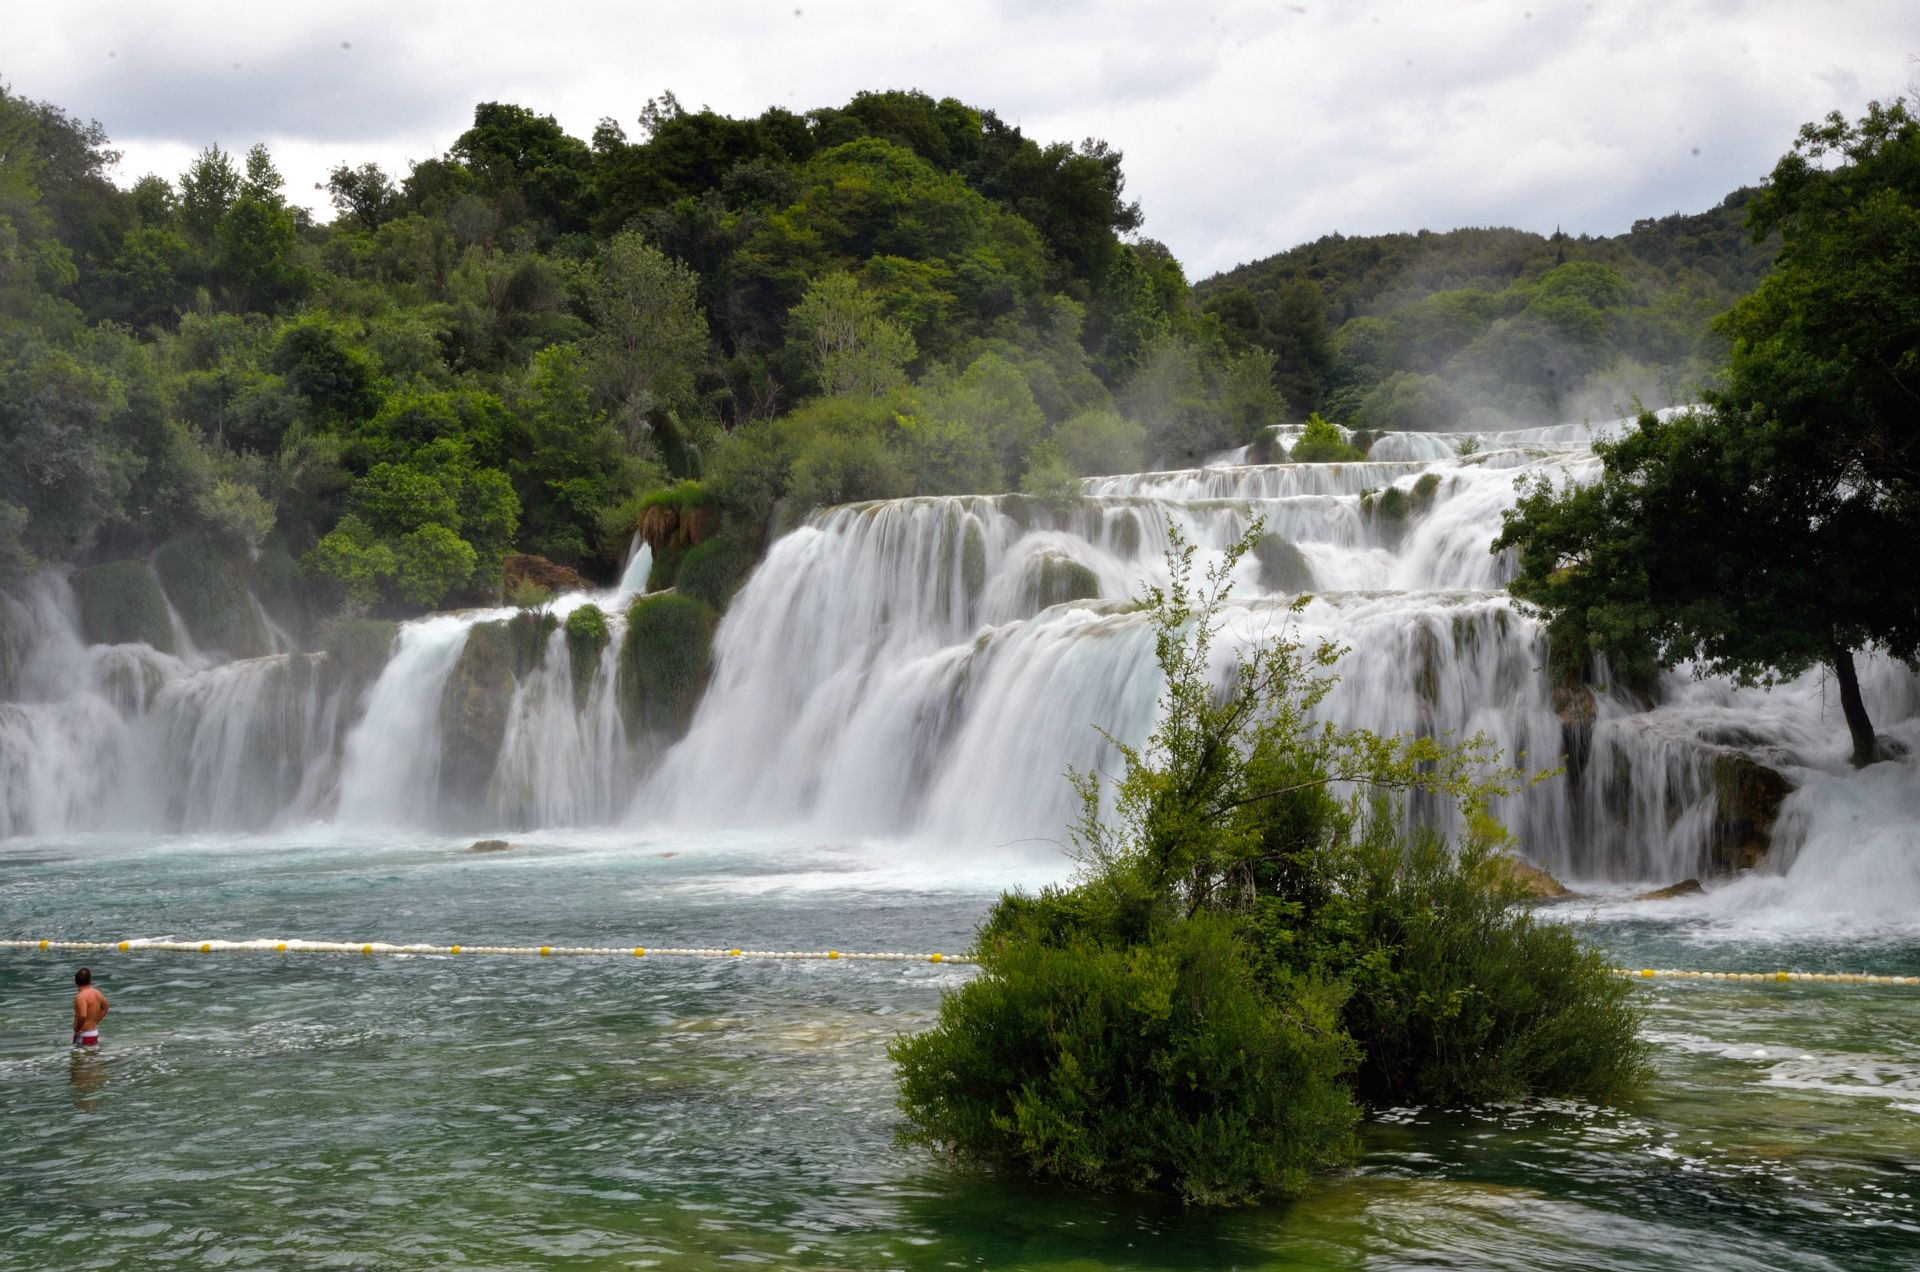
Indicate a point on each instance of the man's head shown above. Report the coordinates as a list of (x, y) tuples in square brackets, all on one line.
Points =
[(83, 978)]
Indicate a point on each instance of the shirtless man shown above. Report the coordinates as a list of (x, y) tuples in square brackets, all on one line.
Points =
[(89, 1005)]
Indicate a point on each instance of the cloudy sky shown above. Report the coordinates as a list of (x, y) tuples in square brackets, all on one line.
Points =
[(1247, 126)]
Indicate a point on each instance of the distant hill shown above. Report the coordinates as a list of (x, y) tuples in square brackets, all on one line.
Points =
[(1430, 329)]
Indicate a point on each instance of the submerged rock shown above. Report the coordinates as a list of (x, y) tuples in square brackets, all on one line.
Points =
[(121, 604), (1684, 888), (490, 845)]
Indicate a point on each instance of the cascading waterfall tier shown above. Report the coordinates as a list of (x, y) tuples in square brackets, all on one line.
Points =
[(926, 670), (930, 668)]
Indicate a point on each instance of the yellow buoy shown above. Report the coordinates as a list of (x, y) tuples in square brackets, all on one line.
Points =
[(367, 949), (123, 947), (281, 948), (545, 950), (639, 951), (206, 947), (933, 958), (43, 945)]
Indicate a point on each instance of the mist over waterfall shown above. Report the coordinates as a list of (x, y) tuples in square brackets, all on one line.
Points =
[(926, 670)]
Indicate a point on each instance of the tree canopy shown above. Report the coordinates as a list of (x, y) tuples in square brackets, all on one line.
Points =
[(1767, 532)]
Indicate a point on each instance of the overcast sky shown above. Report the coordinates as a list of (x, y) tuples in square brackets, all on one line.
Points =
[(1247, 127)]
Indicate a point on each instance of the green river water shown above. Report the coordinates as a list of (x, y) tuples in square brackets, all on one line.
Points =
[(253, 1110)]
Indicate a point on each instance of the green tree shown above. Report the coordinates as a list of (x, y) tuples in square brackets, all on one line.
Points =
[(1765, 534), (650, 338), (850, 347)]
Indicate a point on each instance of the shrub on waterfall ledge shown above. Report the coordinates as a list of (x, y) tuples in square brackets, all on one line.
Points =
[(1248, 954), (663, 662)]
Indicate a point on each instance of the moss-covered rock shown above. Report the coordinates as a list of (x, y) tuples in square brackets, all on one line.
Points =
[(1424, 491), (121, 604), (357, 649), (713, 571), (1747, 799), (207, 583), (527, 633), (586, 637), (474, 708), (973, 559), (1123, 533), (664, 662), (1283, 568), (1053, 578), (666, 567)]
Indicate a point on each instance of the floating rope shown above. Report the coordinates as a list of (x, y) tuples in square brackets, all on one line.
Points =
[(1824, 978), (369, 949)]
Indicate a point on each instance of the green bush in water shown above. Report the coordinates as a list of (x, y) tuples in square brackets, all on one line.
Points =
[(1246, 955), (1321, 443), (121, 604), (586, 630), (1091, 1055), (1282, 566), (1459, 995), (663, 662), (712, 572)]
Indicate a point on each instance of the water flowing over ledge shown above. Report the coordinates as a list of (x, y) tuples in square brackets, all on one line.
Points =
[(925, 670)]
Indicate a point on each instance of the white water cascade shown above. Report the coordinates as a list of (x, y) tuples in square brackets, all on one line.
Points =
[(926, 670), (912, 669)]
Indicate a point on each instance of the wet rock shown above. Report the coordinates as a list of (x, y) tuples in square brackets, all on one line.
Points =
[(1053, 578), (1747, 799), (121, 604), (473, 718), (1535, 882), (490, 845), (1684, 888), (524, 567), (973, 559)]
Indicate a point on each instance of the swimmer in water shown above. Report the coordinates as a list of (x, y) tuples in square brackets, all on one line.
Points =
[(89, 1006)]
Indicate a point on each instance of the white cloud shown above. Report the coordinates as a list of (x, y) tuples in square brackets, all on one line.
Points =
[(1248, 126)]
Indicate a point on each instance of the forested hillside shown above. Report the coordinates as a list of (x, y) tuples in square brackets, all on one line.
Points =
[(1434, 330), (538, 344)]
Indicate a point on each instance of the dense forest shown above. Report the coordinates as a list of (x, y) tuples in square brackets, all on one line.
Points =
[(537, 345)]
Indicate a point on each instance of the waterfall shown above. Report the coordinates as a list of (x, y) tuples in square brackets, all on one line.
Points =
[(894, 669), (926, 670)]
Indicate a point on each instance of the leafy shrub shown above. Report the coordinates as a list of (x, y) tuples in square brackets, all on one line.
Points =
[(586, 630), (1050, 480), (1459, 996), (1087, 1058), (121, 604), (1246, 954), (714, 570), (1321, 443), (663, 662)]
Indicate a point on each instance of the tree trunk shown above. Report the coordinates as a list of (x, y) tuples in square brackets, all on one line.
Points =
[(1855, 710)]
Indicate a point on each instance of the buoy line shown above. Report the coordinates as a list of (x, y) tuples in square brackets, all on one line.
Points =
[(1823, 978), (370, 949)]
